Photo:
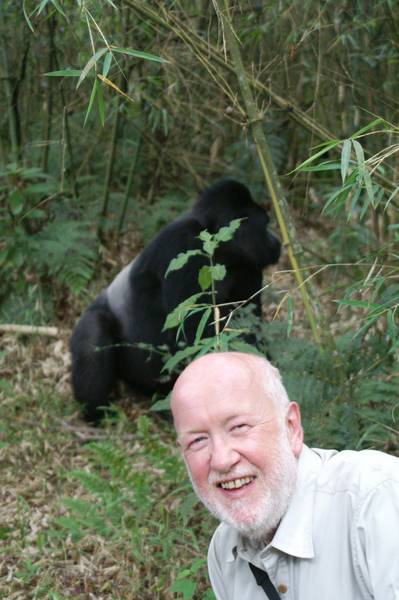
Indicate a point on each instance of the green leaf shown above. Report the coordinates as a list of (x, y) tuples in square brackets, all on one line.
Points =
[(226, 233), (179, 357), (64, 73), (181, 259), (391, 197), (345, 158), (359, 156), (369, 187), (240, 346), (138, 54), (161, 405), (57, 6), (27, 17), (92, 97), (326, 146), (210, 247), (363, 130), (179, 313), (202, 324), (205, 277), (90, 64), (184, 586), (100, 104), (218, 272), (324, 166), (16, 202), (107, 64)]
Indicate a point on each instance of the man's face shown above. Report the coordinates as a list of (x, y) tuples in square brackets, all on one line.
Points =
[(240, 453)]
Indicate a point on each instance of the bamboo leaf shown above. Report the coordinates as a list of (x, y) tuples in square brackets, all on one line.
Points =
[(359, 156), (345, 158), (113, 86), (64, 73), (202, 324), (90, 64), (363, 130), (107, 63), (100, 104), (138, 54), (27, 19), (57, 6), (308, 161), (92, 97)]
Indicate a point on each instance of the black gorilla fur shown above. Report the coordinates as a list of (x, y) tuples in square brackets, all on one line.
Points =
[(134, 306)]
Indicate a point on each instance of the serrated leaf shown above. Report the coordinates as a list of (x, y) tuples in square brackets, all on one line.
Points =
[(205, 235), (345, 158), (218, 272), (210, 246), (227, 233), (181, 259)]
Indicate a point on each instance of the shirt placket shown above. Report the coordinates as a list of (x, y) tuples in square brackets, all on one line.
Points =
[(276, 567)]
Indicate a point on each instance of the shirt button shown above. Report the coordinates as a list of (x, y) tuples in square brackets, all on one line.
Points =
[(282, 588)]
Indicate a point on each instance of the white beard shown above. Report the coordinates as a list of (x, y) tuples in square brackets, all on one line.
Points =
[(259, 523)]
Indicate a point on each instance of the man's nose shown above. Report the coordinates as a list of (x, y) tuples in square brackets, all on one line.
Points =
[(223, 455)]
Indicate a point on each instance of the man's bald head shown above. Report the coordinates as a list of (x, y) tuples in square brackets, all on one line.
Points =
[(223, 370)]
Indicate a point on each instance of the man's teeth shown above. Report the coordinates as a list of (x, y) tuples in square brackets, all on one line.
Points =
[(236, 483)]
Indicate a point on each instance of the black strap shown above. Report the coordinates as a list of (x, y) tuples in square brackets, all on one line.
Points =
[(263, 579)]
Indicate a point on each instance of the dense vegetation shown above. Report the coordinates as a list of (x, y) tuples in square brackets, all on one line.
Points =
[(114, 114)]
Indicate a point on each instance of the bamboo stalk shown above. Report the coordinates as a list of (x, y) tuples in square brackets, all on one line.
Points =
[(12, 124), (129, 183), (109, 170), (280, 206)]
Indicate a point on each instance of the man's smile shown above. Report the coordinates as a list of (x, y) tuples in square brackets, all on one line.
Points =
[(235, 484)]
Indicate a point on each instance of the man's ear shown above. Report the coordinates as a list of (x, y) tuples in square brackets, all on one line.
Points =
[(294, 428)]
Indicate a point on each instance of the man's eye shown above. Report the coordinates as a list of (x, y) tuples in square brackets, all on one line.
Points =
[(240, 427), (196, 442)]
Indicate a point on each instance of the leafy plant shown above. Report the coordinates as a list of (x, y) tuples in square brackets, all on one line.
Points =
[(130, 507)]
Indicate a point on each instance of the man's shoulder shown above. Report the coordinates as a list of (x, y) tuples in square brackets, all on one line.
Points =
[(361, 470)]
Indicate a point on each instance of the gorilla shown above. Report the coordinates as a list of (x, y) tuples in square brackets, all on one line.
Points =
[(131, 311)]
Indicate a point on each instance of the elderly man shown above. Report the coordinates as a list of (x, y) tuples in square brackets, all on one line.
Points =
[(296, 523)]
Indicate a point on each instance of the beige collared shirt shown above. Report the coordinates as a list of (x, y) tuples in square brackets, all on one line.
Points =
[(339, 539)]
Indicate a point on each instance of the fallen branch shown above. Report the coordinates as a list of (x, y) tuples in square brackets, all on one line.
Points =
[(32, 330)]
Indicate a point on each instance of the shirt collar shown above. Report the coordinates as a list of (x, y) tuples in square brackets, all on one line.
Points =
[(294, 535)]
